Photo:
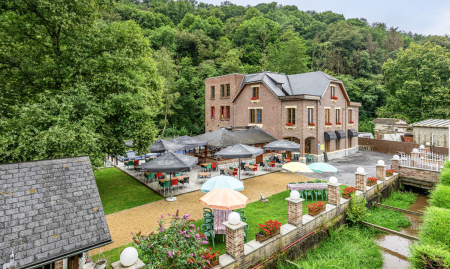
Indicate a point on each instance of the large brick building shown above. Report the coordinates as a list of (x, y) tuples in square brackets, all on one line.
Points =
[(312, 109)]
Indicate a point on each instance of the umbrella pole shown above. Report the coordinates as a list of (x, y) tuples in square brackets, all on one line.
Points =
[(171, 198), (239, 167)]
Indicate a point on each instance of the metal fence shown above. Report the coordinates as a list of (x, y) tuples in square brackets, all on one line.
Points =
[(424, 160)]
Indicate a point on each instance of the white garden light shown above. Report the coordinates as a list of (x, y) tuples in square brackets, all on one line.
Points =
[(234, 218), (295, 195), (128, 256), (428, 144), (360, 170), (333, 180), (380, 162), (415, 151), (396, 157), (422, 147)]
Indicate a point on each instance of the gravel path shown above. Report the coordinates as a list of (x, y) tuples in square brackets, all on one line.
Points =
[(144, 218)]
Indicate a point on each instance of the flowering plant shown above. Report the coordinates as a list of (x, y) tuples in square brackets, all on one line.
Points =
[(254, 98), (289, 124), (269, 226), (389, 172), (334, 97), (316, 205), (351, 122), (372, 179), (338, 123), (349, 190), (328, 123), (312, 124), (176, 244), (209, 256)]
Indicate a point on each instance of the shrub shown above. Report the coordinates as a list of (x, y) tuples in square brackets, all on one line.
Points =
[(436, 226), (357, 210), (440, 196), (429, 256), (444, 178), (177, 246)]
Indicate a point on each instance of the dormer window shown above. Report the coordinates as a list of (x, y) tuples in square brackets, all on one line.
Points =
[(256, 92), (280, 86)]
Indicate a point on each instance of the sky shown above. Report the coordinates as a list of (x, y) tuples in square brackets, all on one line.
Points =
[(426, 17)]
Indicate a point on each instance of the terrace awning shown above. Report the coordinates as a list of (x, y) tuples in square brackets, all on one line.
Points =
[(340, 134), (329, 135), (285, 145), (352, 133)]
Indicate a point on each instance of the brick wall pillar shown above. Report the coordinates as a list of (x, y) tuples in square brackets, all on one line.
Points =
[(235, 239), (295, 211), (361, 181), (413, 156), (381, 172), (59, 264), (395, 164), (334, 194)]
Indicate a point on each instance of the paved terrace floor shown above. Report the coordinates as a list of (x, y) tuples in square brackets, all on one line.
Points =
[(348, 165)]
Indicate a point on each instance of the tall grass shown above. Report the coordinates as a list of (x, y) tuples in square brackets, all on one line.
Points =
[(349, 247), (440, 196), (436, 227), (444, 178), (392, 219)]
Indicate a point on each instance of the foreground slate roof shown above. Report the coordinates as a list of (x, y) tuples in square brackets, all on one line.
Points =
[(49, 210), (312, 83), (229, 136)]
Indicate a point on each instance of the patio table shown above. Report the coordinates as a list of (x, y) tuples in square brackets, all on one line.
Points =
[(220, 216), (165, 179), (205, 164), (229, 171), (307, 186)]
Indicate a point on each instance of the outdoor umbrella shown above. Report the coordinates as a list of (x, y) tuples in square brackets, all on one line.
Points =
[(189, 142), (323, 167), (170, 162), (224, 199), (161, 146), (296, 167), (224, 182), (282, 144), (239, 151)]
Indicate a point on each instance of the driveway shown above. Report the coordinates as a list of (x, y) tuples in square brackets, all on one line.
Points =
[(348, 165)]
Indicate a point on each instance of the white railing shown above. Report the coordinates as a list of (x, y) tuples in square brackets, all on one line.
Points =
[(424, 160)]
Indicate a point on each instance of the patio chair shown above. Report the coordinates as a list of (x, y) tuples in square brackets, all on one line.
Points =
[(317, 181), (149, 177), (208, 215), (208, 230), (208, 220), (325, 192), (318, 193), (159, 176), (186, 181), (136, 162), (207, 168), (214, 166), (245, 232), (309, 193), (255, 170), (243, 219), (309, 181), (174, 182), (178, 174), (241, 213), (164, 185), (128, 164)]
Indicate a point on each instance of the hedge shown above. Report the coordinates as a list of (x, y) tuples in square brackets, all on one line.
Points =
[(436, 227), (440, 196), (445, 175), (429, 256)]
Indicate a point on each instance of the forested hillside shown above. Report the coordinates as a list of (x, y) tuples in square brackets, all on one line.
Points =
[(78, 77), (206, 40)]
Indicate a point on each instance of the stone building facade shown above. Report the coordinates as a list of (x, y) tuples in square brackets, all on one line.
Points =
[(294, 107), (433, 131)]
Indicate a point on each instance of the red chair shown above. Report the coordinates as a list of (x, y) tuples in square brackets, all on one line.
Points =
[(159, 175), (255, 169), (235, 169), (136, 162), (235, 174), (214, 166), (174, 182)]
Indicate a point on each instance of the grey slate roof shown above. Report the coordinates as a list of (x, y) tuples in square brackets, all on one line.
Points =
[(432, 123), (225, 137), (312, 83), (49, 210)]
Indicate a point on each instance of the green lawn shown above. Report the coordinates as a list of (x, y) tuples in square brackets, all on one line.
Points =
[(119, 191)]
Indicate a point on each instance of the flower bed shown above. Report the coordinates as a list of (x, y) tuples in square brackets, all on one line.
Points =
[(371, 181), (348, 192), (177, 246), (389, 172), (267, 230), (316, 208)]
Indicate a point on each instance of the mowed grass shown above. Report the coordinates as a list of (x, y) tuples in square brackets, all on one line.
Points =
[(346, 247), (392, 219), (119, 191)]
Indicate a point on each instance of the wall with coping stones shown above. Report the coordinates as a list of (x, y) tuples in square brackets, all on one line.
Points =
[(255, 252), (419, 174)]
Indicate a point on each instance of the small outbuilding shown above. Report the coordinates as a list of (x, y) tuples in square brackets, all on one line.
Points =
[(50, 213), (434, 131)]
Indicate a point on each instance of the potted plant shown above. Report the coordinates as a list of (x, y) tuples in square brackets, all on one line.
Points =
[(334, 97), (289, 124), (312, 124), (371, 181), (338, 123), (316, 208), (254, 98), (267, 230), (389, 172), (351, 122), (348, 192), (328, 123), (212, 258)]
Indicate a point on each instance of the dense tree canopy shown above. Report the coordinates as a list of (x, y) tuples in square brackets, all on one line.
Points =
[(78, 77)]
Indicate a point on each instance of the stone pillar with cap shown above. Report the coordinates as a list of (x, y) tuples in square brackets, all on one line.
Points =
[(295, 209), (395, 163), (334, 192), (360, 178), (234, 234), (414, 155), (381, 170)]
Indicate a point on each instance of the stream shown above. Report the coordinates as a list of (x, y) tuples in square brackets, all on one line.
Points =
[(395, 249)]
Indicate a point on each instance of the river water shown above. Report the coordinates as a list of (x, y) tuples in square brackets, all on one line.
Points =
[(396, 249)]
